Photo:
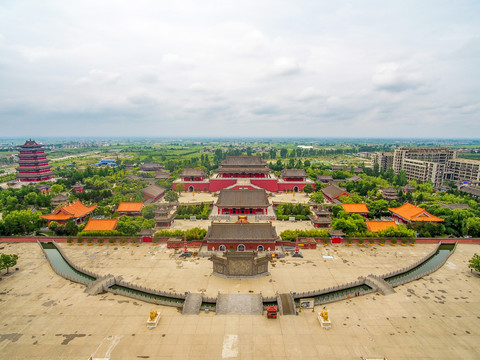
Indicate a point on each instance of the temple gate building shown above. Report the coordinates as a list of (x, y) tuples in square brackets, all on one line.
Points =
[(332, 193), (232, 201), (322, 217), (241, 236), (130, 208), (241, 172), (76, 211), (360, 209), (409, 213)]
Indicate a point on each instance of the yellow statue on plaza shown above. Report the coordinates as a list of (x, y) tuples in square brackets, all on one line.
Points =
[(153, 315), (324, 315)]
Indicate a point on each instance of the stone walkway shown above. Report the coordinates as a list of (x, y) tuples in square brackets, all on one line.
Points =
[(239, 304)]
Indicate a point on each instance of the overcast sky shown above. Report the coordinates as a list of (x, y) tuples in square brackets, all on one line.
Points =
[(240, 68)]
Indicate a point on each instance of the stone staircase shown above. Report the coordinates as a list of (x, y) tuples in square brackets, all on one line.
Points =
[(243, 182), (100, 285), (286, 304), (192, 304), (379, 284)]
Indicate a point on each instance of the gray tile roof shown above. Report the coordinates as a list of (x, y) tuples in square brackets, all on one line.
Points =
[(242, 198), (333, 191), (470, 190), (153, 191), (354, 178), (294, 173), (192, 172), (243, 161), (234, 231)]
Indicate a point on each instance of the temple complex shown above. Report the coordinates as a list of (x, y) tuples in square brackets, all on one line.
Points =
[(360, 209), (380, 225), (33, 163), (130, 208), (241, 236), (243, 172), (243, 202), (76, 211), (321, 218), (389, 193), (59, 200), (332, 193), (153, 193), (101, 225), (150, 166), (243, 167), (78, 187), (409, 213), (164, 217)]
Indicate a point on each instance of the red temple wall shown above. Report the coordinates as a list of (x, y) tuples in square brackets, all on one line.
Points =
[(267, 184), (290, 186), (198, 186), (218, 184)]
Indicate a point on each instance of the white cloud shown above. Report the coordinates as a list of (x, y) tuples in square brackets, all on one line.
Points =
[(284, 66), (392, 77), (279, 69), (97, 76)]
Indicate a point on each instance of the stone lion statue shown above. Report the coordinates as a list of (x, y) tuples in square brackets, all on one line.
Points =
[(324, 315), (153, 315)]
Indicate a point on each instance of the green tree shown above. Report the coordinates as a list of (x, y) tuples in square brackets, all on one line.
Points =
[(55, 189), (8, 261), (21, 222), (53, 226), (180, 188), (471, 226), (308, 189), (31, 198), (171, 196), (148, 212), (401, 179), (71, 228), (378, 207), (474, 262)]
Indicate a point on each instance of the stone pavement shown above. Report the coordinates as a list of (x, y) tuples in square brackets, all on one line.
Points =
[(43, 316), (239, 304)]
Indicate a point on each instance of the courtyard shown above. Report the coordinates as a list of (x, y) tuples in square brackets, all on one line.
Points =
[(47, 317)]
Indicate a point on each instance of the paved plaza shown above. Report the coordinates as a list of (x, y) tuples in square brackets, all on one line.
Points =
[(44, 316)]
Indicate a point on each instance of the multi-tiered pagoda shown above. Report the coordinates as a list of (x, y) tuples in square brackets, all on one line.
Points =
[(33, 163)]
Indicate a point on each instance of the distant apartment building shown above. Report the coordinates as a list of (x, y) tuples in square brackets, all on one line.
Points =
[(435, 164), (424, 171), (383, 159), (438, 155), (418, 163), (463, 170)]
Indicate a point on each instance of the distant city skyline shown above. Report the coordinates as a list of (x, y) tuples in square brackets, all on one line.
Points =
[(265, 69)]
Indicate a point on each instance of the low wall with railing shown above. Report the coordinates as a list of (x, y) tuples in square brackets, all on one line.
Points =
[(404, 280), (313, 293), (150, 290), (145, 298)]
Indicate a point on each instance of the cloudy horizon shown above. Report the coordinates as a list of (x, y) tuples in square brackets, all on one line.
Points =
[(394, 69)]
